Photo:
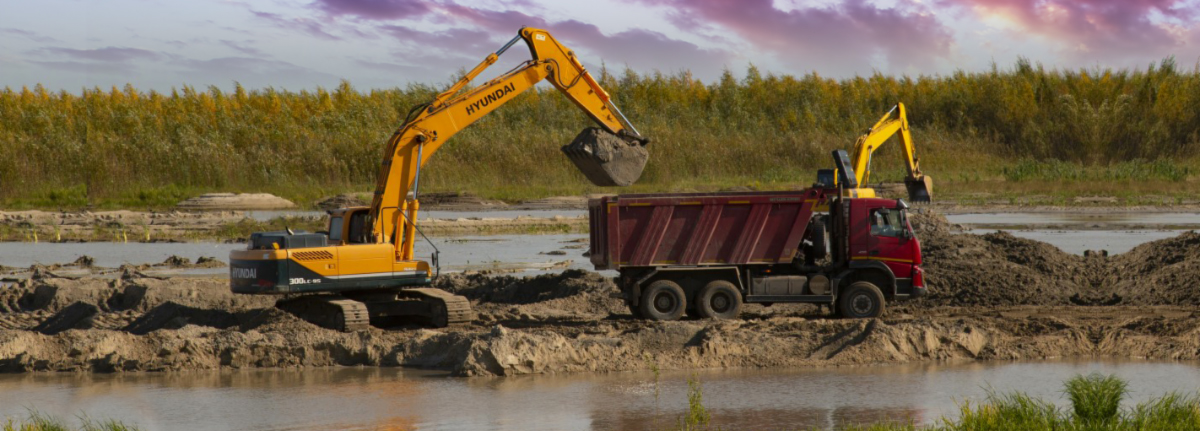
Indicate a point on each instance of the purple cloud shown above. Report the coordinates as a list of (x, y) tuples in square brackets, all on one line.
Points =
[(87, 67), (244, 49), (844, 37), (106, 54), (29, 35), (304, 25), (375, 9), (638, 48)]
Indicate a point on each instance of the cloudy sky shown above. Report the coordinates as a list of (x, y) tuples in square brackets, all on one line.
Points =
[(295, 44)]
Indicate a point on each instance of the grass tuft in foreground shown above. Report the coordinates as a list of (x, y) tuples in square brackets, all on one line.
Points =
[(38, 421), (1095, 406)]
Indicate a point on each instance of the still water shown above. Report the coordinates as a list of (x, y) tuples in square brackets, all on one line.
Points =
[(368, 398)]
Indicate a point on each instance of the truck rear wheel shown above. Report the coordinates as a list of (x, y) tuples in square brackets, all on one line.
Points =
[(663, 300), (719, 299), (861, 300)]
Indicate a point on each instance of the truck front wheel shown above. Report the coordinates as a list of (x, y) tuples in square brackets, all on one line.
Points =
[(663, 300), (719, 299), (861, 300)]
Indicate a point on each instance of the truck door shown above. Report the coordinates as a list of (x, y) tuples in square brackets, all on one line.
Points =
[(888, 240)]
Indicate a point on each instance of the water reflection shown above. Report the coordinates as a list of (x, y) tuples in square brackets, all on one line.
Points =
[(372, 398)]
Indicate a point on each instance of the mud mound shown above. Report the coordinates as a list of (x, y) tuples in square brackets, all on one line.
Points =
[(570, 295), (174, 316), (457, 201), (145, 293), (525, 290), (273, 320), (340, 201), (53, 294), (238, 201), (1163, 272), (994, 269), (78, 315)]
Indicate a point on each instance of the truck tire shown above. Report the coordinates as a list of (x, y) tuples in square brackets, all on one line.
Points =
[(861, 300), (820, 242), (663, 300), (820, 239), (719, 299)]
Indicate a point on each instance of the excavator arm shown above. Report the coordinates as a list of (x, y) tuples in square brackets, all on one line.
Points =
[(920, 186), (429, 126)]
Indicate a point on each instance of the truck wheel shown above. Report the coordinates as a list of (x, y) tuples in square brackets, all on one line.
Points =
[(861, 300), (663, 300), (719, 299), (820, 242)]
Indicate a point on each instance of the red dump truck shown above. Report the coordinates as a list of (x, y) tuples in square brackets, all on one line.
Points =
[(708, 253)]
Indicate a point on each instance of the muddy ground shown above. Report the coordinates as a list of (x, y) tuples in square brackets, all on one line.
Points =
[(992, 297)]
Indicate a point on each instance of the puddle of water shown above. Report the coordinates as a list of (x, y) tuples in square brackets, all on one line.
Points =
[(357, 398), (457, 253), (1077, 241), (108, 254)]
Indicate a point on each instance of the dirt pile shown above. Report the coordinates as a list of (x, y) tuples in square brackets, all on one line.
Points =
[(1001, 269), (572, 294), (340, 201), (1166, 271), (993, 269), (236, 201), (546, 324)]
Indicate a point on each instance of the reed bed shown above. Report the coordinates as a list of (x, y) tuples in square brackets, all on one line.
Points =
[(127, 147)]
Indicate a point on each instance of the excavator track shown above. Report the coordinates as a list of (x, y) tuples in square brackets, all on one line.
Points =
[(445, 308), (328, 311)]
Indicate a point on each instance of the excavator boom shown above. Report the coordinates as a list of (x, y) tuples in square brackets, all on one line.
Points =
[(918, 185), (612, 155)]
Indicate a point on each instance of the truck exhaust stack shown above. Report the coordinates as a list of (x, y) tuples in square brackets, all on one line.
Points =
[(607, 159)]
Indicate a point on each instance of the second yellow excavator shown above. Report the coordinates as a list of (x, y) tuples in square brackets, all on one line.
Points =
[(362, 270), (918, 185)]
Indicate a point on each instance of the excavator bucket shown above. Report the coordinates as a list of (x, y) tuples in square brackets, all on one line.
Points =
[(607, 159), (919, 189)]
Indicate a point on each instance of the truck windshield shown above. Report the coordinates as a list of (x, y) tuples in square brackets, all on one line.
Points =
[(335, 229), (885, 222)]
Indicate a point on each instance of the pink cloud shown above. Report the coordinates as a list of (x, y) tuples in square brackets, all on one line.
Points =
[(1101, 30), (843, 38)]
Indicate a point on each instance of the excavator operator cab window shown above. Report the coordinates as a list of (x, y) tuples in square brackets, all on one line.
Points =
[(358, 228), (887, 222), (335, 229)]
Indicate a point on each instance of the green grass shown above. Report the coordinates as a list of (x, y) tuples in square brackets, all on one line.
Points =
[(1095, 406), (125, 148), (37, 421)]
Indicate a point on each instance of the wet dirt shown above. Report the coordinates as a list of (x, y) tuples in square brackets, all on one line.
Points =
[(993, 296)]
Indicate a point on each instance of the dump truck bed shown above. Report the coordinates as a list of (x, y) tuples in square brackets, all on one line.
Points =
[(700, 229)]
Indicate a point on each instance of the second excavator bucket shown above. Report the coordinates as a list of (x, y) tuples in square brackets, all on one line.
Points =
[(919, 189), (607, 159)]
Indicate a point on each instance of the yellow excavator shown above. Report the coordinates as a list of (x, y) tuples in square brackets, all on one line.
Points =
[(919, 185), (362, 270)]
